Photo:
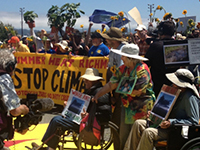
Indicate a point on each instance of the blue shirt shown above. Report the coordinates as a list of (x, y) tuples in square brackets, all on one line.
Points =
[(50, 51), (101, 50)]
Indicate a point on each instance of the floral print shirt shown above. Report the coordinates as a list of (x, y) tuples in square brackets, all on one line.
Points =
[(136, 106)]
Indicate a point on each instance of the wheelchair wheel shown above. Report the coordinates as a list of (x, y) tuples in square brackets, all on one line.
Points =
[(193, 144), (109, 130)]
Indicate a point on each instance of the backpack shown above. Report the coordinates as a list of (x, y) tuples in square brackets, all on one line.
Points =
[(90, 130)]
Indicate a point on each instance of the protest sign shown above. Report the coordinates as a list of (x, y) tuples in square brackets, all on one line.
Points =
[(75, 104), (163, 105), (135, 14), (53, 76)]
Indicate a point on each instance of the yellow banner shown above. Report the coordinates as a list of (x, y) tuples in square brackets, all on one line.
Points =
[(53, 75)]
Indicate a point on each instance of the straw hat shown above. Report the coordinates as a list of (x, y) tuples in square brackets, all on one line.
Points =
[(113, 34), (183, 78), (91, 74), (131, 51)]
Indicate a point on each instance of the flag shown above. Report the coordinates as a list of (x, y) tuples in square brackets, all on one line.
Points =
[(103, 17)]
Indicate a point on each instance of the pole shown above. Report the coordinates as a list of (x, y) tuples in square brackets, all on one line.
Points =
[(150, 7), (22, 15)]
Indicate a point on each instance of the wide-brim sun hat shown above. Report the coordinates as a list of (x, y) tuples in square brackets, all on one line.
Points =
[(183, 78), (113, 34), (63, 44), (131, 51), (91, 74)]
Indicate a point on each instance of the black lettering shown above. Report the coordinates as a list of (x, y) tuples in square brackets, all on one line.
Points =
[(67, 82), (28, 71), (37, 73), (45, 75), (18, 79), (54, 88), (75, 80), (61, 79)]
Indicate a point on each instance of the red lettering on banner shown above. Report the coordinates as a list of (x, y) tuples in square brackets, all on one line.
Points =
[(43, 60), (57, 61), (37, 59), (70, 62), (64, 97), (104, 64), (65, 62), (87, 63), (31, 60), (96, 63), (51, 61), (24, 60), (93, 63), (81, 64)]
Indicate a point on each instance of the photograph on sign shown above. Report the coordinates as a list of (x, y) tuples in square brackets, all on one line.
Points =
[(176, 54), (163, 105)]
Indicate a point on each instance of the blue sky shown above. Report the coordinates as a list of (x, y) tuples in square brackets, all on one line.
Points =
[(9, 10)]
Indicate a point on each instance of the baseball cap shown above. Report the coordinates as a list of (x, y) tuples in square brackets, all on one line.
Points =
[(14, 39)]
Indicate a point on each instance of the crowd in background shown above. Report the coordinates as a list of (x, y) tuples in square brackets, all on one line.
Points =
[(127, 54), (84, 43)]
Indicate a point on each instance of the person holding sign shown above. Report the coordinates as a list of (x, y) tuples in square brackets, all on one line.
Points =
[(93, 84), (185, 111), (139, 99)]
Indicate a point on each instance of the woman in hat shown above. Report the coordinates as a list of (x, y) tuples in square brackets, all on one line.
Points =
[(185, 111), (92, 82), (140, 99)]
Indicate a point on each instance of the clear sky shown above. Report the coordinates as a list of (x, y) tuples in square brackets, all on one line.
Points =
[(10, 10)]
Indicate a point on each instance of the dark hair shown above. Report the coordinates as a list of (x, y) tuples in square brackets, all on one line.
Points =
[(77, 33), (96, 35), (166, 28)]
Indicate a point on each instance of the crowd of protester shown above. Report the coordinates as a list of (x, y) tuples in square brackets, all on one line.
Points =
[(127, 56)]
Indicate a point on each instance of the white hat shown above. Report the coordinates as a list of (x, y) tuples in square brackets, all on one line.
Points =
[(180, 36), (183, 78), (141, 27), (63, 44), (130, 50), (91, 74)]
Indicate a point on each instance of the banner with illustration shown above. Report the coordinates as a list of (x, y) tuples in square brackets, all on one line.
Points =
[(54, 75)]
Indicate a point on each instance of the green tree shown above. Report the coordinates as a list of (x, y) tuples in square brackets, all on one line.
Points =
[(68, 13), (6, 31)]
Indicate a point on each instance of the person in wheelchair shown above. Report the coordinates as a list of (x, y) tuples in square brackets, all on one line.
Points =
[(93, 84), (185, 111)]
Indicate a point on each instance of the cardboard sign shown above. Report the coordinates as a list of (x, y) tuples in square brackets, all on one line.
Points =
[(135, 14)]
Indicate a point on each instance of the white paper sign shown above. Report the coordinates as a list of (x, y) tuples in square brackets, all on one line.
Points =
[(75, 104), (194, 50)]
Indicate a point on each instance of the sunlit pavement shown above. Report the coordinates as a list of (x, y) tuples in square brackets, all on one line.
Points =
[(20, 141)]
